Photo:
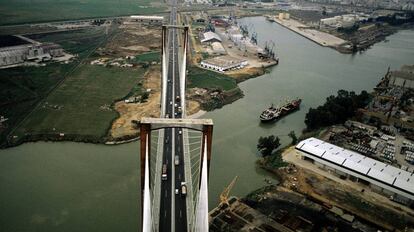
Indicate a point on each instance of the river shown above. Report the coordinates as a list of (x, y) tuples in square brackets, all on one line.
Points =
[(85, 187)]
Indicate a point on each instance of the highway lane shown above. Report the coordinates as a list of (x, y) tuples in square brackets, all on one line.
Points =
[(180, 200), (173, 206), (166, 190)]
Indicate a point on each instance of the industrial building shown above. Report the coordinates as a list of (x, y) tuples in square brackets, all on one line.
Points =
[(283, 16), (244, 43), (218, 48), (403, 78), (19, 49), (223, 63), (383, 178), (347, 20), (148, 19), (210, 37)]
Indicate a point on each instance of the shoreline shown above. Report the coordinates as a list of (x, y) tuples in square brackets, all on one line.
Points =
[(104, 139), (321, 38), (198, 114)]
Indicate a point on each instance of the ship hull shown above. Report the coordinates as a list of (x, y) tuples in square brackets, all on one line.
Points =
[(287, 109)]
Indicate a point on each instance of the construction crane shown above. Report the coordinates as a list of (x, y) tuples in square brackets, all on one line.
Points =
[(224, 196)]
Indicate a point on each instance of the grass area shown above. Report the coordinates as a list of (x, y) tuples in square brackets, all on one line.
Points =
[(29, 11), (81, 105), (75, 42), (22, 88), (202, 78), (148, 57)]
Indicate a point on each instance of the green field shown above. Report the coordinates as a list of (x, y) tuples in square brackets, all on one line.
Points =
[(29, 11), (148, 57), (21, 88), (81, 105), (202, 78)]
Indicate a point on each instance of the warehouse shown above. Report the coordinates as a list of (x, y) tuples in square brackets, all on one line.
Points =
[(16, 50), (13, 55), (218, 48), (210, 37), (149, 19), (382, 178), (403, 79), (223, 63)]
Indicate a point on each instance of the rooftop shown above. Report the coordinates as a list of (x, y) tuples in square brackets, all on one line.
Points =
[(373, 169), (209, 35), (217, 46), (153, 17), (403, 75)]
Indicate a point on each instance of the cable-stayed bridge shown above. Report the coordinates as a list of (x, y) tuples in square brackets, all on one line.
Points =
[(175, 150)]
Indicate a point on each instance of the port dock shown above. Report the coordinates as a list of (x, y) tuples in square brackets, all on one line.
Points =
[(322, 38)]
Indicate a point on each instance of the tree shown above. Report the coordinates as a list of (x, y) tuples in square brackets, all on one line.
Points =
[(266, 145), (337, 109), (292, 135), (144, 97)]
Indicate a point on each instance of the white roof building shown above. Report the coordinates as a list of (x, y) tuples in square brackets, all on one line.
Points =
[(150, 19), (378, 173), (210, 36), (147, 17), (223, 63), (218, 48)]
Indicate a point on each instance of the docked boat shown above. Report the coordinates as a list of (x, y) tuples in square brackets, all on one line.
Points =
[(274, 113)]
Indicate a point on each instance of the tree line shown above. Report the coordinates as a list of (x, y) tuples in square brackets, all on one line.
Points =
[(336, 110)]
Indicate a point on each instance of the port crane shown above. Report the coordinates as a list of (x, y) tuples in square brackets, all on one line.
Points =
[(224, 196), (254, 38)]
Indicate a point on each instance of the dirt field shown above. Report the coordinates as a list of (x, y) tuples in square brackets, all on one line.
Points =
[(246, 73), (123, 126), (132, 40)]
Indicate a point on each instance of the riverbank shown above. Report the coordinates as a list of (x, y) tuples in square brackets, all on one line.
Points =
[(108, 68), (333, 193), (319, 37), (359, 38)]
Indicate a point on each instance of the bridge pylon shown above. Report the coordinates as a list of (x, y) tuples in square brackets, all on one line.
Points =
[(199, 209)]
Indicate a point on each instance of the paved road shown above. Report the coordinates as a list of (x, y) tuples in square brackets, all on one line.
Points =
[(173, 215)]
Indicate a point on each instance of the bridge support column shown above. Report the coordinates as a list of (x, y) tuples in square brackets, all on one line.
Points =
[(145, 133), (206, 142)]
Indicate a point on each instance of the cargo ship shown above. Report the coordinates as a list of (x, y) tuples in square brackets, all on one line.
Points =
[(274, 113)]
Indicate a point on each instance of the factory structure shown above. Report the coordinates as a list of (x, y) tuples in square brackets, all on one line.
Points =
[(227, 45), (223, 63), (219, 63), (145, 19), (210, 37), (345, 21), (283, 16), (16, 50), (393, 182), (403, 78)]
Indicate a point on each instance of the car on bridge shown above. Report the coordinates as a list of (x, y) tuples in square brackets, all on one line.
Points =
[(177, 160), (164, 172), (183, 189)]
